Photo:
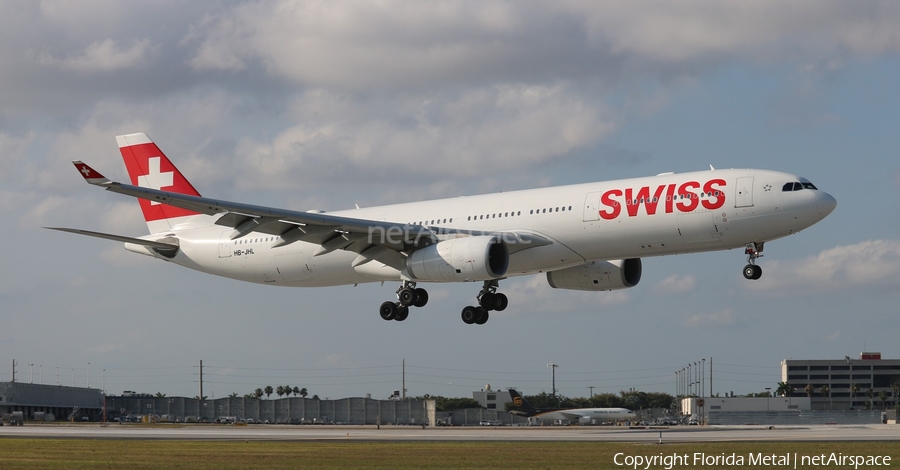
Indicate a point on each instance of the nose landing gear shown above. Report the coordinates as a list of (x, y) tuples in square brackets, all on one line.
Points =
[(753, 251)]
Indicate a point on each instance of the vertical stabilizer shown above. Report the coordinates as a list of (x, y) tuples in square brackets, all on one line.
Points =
[(148, 167)]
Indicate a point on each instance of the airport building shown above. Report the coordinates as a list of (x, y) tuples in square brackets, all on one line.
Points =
[(845, 384), (50, 401), (492, 399)]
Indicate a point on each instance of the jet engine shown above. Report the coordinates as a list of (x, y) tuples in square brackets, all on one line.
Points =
[(598, 275), (478, 258)]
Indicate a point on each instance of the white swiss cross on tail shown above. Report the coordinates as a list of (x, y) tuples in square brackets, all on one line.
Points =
[(156, 179), (148, 167)]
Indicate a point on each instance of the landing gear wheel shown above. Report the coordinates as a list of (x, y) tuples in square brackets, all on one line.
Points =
[(752, 272), (469, 315), (407, 296), (483, 318), (421, 297), (502, 302), (388, 310), (749, 271), (488, 301), (402, 313)]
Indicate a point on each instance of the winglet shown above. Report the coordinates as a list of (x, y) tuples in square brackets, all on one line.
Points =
[(90, 175)]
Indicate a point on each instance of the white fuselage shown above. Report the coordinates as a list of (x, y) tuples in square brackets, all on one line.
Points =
[(632, 218), (587, 415)]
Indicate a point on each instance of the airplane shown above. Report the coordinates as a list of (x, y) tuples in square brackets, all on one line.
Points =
[(587, 237), (521, 407)]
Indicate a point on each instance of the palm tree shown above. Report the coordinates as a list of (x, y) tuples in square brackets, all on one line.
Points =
[(258, 393), (233, 395), (784, 389), (896, 387), (870, 393), (279, 390), (287, 391), (809, 389), (825, 390), (160, 395), (303, 392), (296, 391), (854, 389), (268, 391), (882, 395)]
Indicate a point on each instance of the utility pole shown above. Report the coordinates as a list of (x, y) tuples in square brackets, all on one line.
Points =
[(710, 376), (200, 398), (14, 371), (702, 372), (592, 391), (553, 367), (403, 392)]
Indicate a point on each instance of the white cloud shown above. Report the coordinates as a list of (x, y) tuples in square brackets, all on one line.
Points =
[(719, 319), (395, 43), (868, 264), (105, 56), (676, 284), (488, 131)]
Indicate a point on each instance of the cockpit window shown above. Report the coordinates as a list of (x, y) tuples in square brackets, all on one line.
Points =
[(796, 186)]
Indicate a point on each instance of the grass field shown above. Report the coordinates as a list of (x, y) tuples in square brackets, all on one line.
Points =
[(109, 453)]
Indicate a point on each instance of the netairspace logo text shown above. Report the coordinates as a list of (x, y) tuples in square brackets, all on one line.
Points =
[(760, 459)]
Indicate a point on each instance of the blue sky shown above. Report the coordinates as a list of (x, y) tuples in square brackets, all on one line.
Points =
[(306, 105)]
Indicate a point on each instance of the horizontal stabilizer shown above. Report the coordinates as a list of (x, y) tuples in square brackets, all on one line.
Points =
[(119, 238)]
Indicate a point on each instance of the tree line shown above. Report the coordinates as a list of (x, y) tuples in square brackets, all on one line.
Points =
[(281, 390)]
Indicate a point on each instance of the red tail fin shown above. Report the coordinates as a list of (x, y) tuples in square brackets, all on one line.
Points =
[(148, 167)]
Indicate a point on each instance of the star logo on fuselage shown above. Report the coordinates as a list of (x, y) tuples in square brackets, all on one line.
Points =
[(767, 188)]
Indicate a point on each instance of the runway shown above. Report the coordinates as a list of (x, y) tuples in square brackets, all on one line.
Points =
[(680, 434)]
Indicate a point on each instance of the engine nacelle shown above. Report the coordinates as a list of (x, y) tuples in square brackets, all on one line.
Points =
[(598, 275), (478, 258)]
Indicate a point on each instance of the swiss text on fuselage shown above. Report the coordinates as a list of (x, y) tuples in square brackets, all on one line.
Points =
[(682, 198)]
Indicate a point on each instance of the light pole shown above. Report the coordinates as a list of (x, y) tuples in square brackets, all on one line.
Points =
[(767, 397), (553, 367)]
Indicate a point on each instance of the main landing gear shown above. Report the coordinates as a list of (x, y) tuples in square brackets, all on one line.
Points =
[(752, 270), (488, 299), (407, 296)]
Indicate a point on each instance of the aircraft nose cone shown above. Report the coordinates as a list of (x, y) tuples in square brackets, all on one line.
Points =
[(826, 204)]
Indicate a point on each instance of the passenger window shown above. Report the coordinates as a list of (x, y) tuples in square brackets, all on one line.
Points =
[(520, 213), (557, 209)]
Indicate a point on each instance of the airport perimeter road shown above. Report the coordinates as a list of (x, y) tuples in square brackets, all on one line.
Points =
[(479, 433)]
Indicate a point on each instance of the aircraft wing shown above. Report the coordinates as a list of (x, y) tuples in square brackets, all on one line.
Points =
[(384, 241)]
